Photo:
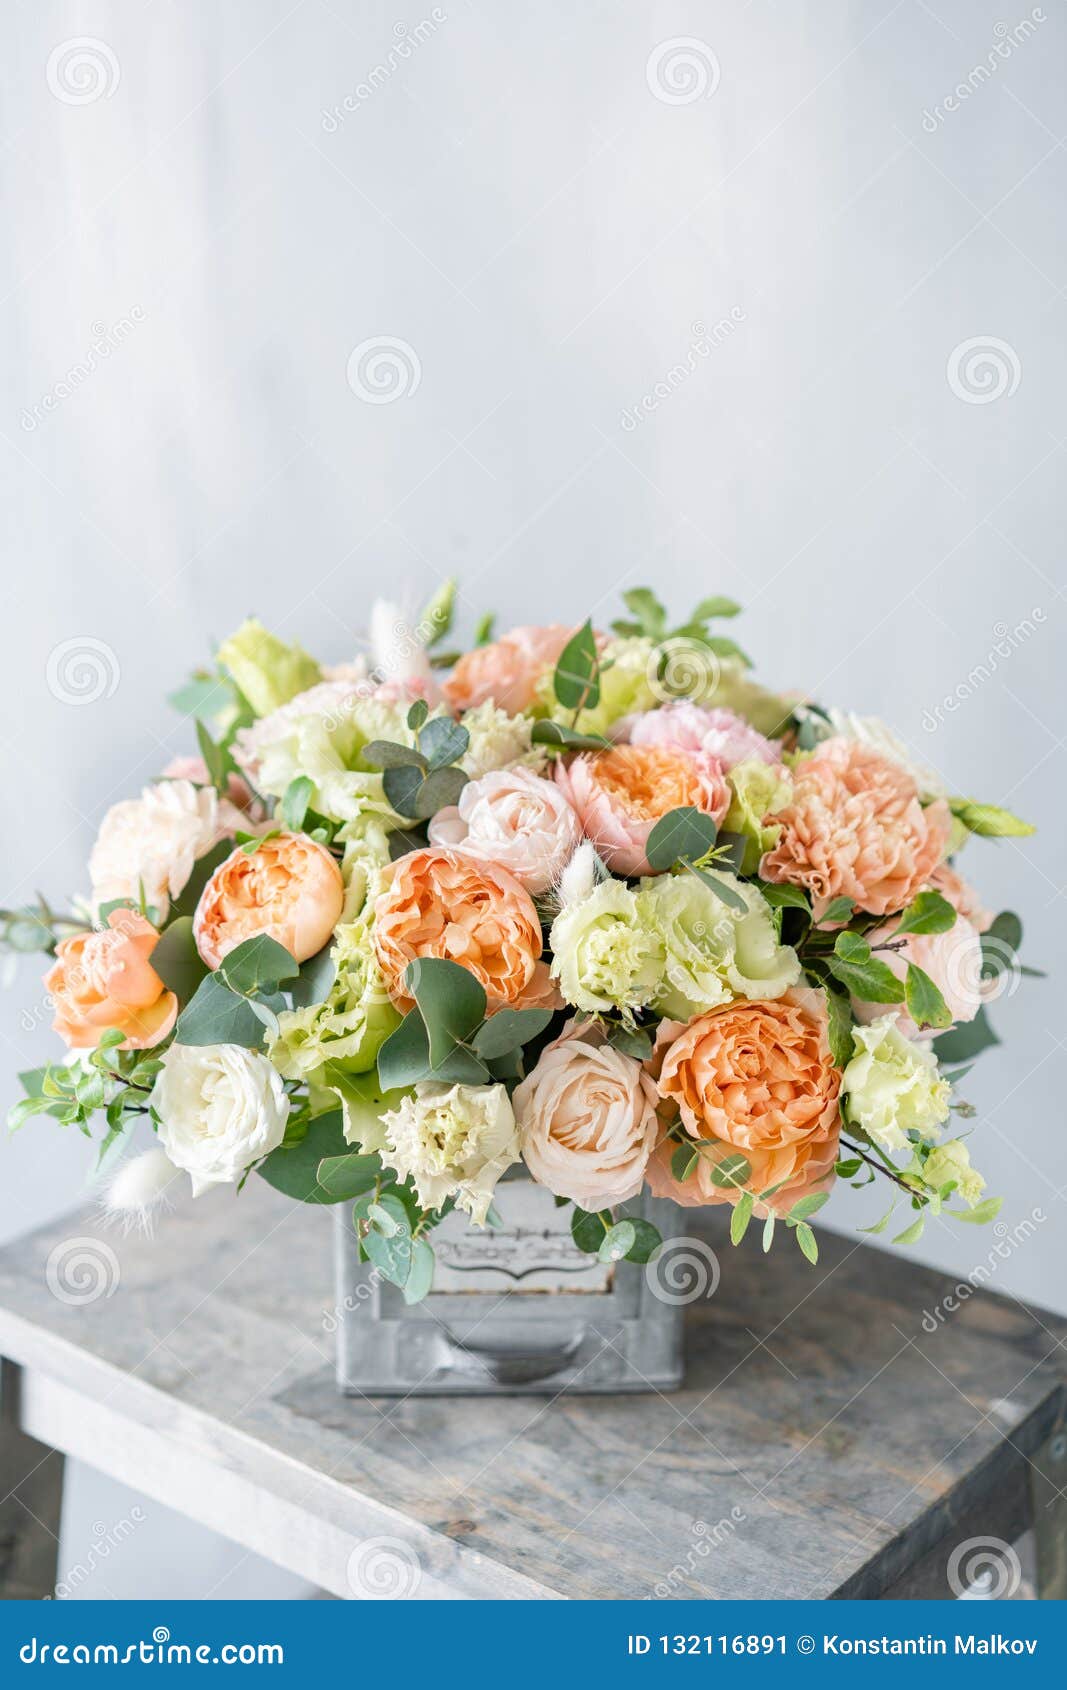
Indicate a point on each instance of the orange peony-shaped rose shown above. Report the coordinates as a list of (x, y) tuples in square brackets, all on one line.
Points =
[(439, 903), (620, 795), (102, 980), (507, 671), (855, 828), (755, 1079), (289, 888)]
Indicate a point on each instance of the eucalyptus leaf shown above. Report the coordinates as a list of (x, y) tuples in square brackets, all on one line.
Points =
[(419, 1281), (576, 680), (441, 789), (294, 1169), (259, 964), (443, 741), (684, 834), (402, 783), (508, 1029), (217, 1016), (295, 803), (557, 733), (617, 1242), (177, 961)]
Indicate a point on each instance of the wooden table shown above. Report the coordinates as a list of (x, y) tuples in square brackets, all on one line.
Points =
[(828, 1443)]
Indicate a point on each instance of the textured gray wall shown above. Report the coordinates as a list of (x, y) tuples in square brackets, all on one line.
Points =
[(208, 208)]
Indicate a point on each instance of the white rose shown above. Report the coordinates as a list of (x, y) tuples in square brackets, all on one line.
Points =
[(498, 741), (587, 1120), (515, 819), (153, 842), (220, 1108), (452, 1141)]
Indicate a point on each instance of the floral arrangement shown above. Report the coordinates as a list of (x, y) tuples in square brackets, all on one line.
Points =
[(594, 903)]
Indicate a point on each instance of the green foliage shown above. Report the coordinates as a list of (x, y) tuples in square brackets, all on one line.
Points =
[(629, 1238), (448, 1037), (421, 779), (925, 1004), (576, 681), (928, 913), (294, 1167)]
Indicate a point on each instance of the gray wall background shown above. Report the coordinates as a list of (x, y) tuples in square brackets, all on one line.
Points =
[(516, 203)]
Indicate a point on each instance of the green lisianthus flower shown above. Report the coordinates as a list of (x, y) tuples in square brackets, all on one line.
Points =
[(604, 954), (268, 671), (757, 789), (952, 1161), (712, 952), (893, 1087)]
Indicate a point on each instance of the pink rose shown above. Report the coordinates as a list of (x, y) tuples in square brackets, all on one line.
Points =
[(587, 1119), (621, 794), (953, 960), (513, 818), (507, 671), (962, 896), (719, 733)]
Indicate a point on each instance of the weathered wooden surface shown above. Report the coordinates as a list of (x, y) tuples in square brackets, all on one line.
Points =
[(825, 1443)]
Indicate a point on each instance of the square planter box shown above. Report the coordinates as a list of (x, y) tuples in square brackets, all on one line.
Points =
[(514, 1309)]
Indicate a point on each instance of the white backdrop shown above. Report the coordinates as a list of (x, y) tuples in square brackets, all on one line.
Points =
[(544, 210)]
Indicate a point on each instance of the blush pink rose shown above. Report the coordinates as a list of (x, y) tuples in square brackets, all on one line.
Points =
[(690, 727), (953, 960), (507, 671), (855, 828), (962, 896), (238, 790), (620, 795), (513, 818), (587, 1119)]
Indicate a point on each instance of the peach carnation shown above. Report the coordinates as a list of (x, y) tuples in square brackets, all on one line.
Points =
[(855, 828), (105, 979), (620, 795), (758, 1079), (507, 671), (290, 888), (440, 903)]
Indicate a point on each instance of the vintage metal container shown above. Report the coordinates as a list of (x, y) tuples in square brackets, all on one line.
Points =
[(515, 1309)]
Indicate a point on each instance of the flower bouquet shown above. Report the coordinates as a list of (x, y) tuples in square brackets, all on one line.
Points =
[(594, 921)]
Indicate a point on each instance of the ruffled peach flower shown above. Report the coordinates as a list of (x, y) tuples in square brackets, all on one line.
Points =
[(587, 1119), (289, 888), (953, 960), (690, 727), (621, 794), (508, 670), (514, 818), (101, 980), (439, 903), (962, 896), (147, 846), (755, 1078), (855, 828)]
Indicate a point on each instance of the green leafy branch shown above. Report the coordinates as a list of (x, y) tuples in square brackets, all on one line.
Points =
[(448, 1036), (422, 778)]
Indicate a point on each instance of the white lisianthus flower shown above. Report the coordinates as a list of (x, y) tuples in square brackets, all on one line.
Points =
[(452, 1141), (893, 1085), (220, 1108), (712, 952), (498, 741), (604, 954), (152, 842), (873, 732)]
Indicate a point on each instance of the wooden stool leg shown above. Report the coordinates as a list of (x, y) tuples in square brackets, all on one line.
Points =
[(31, 1496), (1048, 1492)]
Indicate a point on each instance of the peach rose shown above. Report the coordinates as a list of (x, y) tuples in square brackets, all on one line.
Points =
[(289, 888), (621, 794), (439, 903), (507, 671), (755, 1078), (513, 818), (855, 828), (587, 1119), (953, 960), (105, 979)]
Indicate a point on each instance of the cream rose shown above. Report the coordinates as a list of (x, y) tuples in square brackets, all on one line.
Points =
[(220, 1108), (587, 1120), (515, 819)]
